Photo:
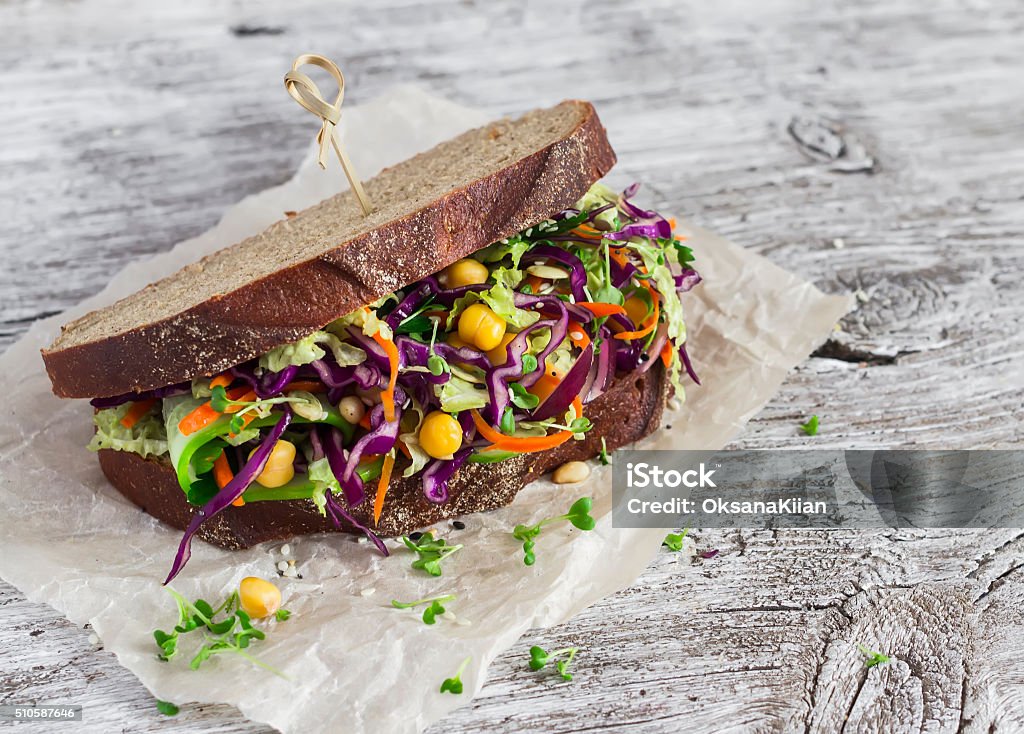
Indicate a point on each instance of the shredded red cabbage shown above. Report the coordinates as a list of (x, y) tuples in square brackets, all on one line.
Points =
[(338, 514), (161, 392), (437, 474), (231, 492), (571, 386)]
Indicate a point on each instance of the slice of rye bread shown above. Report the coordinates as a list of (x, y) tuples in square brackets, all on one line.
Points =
[(304, 272), (628, 411)]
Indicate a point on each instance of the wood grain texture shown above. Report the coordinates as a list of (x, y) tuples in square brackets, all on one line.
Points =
[(872, 147)]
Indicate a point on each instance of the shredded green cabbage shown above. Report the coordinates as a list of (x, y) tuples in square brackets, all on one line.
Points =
[(457, 395), (146, 438)]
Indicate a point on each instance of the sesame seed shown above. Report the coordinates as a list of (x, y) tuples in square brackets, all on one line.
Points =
[(282, 566), (368, 592), (286, 550)]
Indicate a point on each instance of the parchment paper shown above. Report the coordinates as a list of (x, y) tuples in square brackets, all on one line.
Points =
[(354, 662)]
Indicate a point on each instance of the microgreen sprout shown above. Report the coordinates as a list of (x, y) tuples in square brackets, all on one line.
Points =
[(233, 634), (540, 658), (453, 685), (167, 708), (606, 458), (521, 398), (529, 365), (811, 426), (872, 658), (220, 402), (436, 363), (431, 613), (674, 541), (578, 515), (508, 421), (578, 425), (430, 552)]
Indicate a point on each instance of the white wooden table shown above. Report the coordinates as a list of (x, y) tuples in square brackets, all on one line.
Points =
[(127, 127)]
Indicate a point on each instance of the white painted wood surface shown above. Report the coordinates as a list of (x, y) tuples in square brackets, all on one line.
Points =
[(127, 127)]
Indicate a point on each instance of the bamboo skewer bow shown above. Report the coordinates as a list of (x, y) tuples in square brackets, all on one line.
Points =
[(305, 91)]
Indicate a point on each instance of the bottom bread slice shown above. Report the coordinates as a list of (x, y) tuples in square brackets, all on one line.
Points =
[(629, 410)]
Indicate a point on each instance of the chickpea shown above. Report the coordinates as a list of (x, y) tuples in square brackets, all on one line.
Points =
[(499, 355), (440, 435), (546, 385), (466, 272), (279, 468), (571, 472), (258, 598), (481, 327), (636, 309), (351, 409)]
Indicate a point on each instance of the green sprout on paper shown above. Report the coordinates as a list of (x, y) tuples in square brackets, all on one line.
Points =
[(432, 612), (872, 658), (811, 426), (578, 515), (540, 658), (674, 541), (453, 685), (233, 634), (167, 708), (430, 552)]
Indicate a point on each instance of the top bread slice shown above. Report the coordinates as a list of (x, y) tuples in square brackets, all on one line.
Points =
[(306, 271)]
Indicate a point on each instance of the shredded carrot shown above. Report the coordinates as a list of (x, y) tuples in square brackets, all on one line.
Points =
[(666, 353), (531, 444), (382, 487), (485, 430), (404, 449), (222, 380), (601, 309), (368, 458), (199, 418), (204, 415), (651, 321), (222, 475), (387, 396), (135, 413), (578, 335), (587, 232), (365, 421), (672, 222), (535, 283), (307, 385), (524, 444)]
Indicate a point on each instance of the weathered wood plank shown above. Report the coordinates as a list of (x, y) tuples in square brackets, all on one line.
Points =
[(129, 127)]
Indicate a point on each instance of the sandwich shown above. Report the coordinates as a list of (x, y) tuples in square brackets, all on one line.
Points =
[(500, 312)]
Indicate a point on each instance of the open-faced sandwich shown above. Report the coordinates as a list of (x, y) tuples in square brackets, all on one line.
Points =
[(500, 313)]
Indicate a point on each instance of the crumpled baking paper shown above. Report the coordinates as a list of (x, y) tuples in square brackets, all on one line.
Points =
[(353, 661)]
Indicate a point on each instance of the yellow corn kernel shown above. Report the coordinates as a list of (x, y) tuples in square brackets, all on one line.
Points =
[(466, 272), (440, 435), (258, 598), (481, 327), (279, 468)]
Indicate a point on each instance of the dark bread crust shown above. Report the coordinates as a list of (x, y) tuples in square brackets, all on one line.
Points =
[(294, 301), (628, 411)]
